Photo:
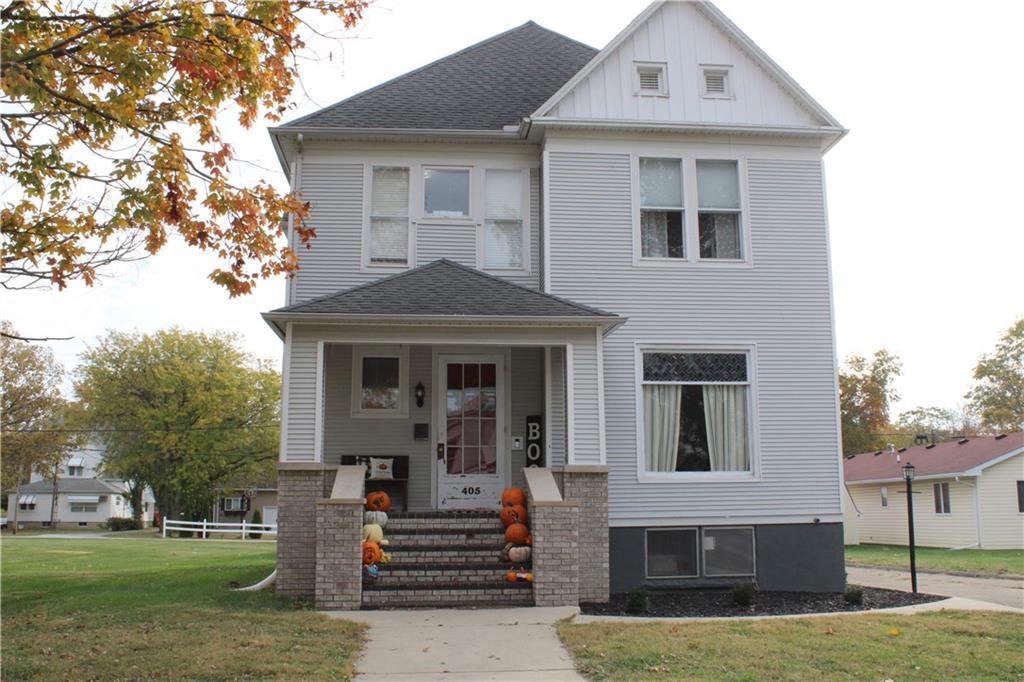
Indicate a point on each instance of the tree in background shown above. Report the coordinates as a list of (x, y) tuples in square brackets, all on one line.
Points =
[(109, 129), (182, 412), (865, 394), (998, 392), (937, 423), (32, 412)]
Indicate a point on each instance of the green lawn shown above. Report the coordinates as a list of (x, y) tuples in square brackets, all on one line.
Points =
[(947, 645), (150, 608), (981, 561)]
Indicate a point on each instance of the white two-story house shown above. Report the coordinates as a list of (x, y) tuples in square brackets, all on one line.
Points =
[(600, 275)]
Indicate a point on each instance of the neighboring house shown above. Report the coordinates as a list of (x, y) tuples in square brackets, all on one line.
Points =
[(85, 462), (235, 504), (613, 264), (81, 503), (967, 493)]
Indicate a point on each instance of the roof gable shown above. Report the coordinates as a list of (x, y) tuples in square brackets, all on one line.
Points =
[(443, 288), (486, 86), (685, 36), (948, 458)]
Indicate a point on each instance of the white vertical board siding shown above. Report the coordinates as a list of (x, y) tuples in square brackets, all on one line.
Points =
[(331, 263), (682, 37), (780, 306), (1002, 526)]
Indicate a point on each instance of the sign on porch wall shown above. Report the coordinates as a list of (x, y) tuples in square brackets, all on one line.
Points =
[(535, 441)]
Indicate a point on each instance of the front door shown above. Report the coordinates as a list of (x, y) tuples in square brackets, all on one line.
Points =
[(470, 425)]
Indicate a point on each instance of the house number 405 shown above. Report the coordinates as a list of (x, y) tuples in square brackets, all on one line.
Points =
[(471, 491)]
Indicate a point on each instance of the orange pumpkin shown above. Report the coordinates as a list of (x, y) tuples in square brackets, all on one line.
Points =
[(371, 553), (510, 515), (510, 576), (517, 534), (529, 539), (378, 500), (510, 497)]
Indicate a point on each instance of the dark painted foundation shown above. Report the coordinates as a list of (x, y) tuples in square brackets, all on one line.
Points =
[(802, 557)]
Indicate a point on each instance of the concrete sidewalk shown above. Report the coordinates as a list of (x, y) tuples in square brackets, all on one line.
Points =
[(463, 644), (1006, 591)]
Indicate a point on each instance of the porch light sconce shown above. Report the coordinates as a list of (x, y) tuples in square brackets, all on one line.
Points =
[(420, 392)]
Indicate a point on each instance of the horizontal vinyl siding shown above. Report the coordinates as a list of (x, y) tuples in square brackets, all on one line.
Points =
[(557, 421), (526, 376), (301, 404), (888, 525), (781, 305), (454, 242), (1002, 526), (585, 445)]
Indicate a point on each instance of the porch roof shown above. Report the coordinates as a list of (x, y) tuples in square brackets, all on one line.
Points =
[(443, 291)]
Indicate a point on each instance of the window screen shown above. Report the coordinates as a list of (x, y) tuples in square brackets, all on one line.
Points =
[(728, 551), (718, 216), (672, 553), (661, 208), (389, 216), (503, 226)]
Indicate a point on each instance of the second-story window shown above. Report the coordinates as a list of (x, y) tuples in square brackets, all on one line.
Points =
[(503, 220), (445, 192), (389, 217), (661, 209), (76, 471), (718, 214)]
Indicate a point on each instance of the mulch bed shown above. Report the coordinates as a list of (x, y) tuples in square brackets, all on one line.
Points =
[(705, 603)]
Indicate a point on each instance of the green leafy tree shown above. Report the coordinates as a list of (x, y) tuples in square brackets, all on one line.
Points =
[(937, 423), (182, 412), (32, 412), (998, 392), (865, 394)]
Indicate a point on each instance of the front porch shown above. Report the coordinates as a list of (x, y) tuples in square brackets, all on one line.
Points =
[(463, 394)]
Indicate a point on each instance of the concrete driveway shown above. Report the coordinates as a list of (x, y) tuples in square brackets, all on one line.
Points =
[(463, 644), (1006, 591)]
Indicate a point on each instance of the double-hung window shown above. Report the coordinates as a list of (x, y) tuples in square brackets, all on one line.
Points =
[(389, 216), (503, 221), (940, 491), (81, 507), (662, 228), (718, 210), (696, 411)]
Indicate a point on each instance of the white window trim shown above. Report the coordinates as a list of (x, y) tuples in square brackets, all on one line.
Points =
[(753, 556), (753, 435), (947, 509), (691, 227), (232, 504), (702, 79), (421, 206), (697, 553), (366, 264), (481, 255), (662, 67), (360, 352), (883, 492)]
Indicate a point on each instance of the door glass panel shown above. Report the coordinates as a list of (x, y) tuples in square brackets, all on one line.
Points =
[(471, 431), (489, 460), (471, 396), (471, 437), (454, 400), (471, 460), (454, 432), (488, 391), (453, 458)]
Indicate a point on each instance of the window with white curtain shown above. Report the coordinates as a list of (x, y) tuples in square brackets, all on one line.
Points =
[(503, 220), (389, 216), (718, 210), (662, 232), (696, 410)]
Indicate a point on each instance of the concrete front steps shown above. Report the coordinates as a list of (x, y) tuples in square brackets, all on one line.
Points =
[(445, 559)]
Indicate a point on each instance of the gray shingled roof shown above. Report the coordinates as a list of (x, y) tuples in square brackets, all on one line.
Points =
[(443, 288), (101, 486), (486, 86)]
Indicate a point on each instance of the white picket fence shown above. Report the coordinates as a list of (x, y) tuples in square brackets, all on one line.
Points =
[(204, 528)]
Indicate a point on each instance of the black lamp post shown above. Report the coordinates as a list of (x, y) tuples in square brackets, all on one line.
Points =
[(908, 476)]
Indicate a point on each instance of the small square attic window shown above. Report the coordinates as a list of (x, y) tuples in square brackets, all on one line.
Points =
[(650, 79), (717, 82)]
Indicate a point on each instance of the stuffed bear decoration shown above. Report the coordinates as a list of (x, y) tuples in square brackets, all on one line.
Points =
[(373, 533), (371, 553)]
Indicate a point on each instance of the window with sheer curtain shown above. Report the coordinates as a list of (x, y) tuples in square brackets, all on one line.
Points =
[(696, 411), (718, 210), (389, 216), (503, 220), (662, 232)]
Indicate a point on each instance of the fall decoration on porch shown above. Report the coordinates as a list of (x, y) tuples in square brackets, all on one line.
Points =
[(520, 575), (378, 517), (378, 500), (517, 534), (513, 514), (371, 553), (510, 497), (373, 533), (519, 555)]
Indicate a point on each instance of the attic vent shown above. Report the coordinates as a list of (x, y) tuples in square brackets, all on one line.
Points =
[(963, 440), (902, 450), (1000, 436), (716, 82), (929, 447), (650, 79)]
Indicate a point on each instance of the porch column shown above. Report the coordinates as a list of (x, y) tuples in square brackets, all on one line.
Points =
[(554, 523), (298, 487), (339, 526), (587, 487)]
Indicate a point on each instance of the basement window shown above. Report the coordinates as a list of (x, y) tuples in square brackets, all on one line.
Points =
[(717, 81), (728, 551), (672, 553), (651, 79)]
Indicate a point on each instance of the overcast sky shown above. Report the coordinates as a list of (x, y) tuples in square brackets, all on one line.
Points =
[(924, 193)]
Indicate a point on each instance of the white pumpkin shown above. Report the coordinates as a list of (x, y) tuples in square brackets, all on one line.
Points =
[(519, 555), (372, 533), (378, 517)]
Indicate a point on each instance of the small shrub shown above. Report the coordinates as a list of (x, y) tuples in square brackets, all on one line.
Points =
[(853, 595), (120, 524), (257, 519), (637, 600), (743, 594)]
